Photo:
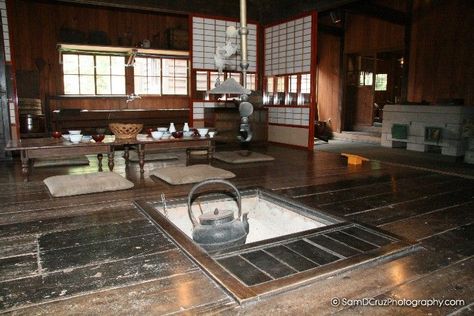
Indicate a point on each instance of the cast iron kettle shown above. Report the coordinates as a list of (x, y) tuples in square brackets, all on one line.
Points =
[(219, 229)]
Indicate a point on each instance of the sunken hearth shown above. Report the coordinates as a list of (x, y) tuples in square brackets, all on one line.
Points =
[(265, 266)]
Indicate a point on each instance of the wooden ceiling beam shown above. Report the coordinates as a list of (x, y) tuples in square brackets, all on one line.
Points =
[(179, 7), (371, 9), (264, 11)]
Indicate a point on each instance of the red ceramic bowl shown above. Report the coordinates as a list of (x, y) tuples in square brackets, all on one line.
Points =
[(178, 134), (56, 134), (149, 130), (98, 137)]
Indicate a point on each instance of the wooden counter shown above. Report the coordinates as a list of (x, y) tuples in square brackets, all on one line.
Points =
[(88, 121)]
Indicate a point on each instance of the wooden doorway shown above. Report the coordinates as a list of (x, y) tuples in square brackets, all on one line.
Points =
[(372, 80), (387, 81), (359, 91)]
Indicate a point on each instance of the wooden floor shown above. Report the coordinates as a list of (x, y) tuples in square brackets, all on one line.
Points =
[(97, 254)]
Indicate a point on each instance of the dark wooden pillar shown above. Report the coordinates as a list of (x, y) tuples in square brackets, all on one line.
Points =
[(4, 113), (406, 52)]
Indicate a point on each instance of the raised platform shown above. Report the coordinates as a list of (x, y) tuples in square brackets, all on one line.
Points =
[(428, 127)]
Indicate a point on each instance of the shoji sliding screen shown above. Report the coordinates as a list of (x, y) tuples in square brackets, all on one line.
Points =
[(289, 81)]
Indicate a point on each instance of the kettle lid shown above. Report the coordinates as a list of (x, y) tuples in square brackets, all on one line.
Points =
[(216, 217)]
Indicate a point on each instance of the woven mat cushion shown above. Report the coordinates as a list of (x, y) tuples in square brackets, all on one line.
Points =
[(86, 183), (191, 174), (241, 156), (133, 156), (61, 161)]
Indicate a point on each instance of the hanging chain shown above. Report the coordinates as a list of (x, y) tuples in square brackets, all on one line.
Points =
[(165, 208)]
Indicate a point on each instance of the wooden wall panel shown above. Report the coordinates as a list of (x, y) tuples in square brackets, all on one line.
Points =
[(442, 50), (89, 121), (36, 28), (329, 77), (400, 5), (366, 34), (99, 103)]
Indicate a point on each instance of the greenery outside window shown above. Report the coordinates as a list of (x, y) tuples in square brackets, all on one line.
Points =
[(365, 78), (381, 82)]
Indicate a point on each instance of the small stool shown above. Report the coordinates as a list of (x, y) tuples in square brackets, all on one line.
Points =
[(199, 153), (354, 159)]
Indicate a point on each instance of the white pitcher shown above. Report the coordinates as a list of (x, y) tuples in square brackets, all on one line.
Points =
[(172, 129), (186, 127)]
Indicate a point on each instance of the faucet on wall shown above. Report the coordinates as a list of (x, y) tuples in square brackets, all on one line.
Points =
[(132, 97)]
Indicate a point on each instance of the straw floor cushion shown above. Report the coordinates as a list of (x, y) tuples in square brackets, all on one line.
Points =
[(86, 183), (133, 156), (61, 161), (191, 174), (241, 156)]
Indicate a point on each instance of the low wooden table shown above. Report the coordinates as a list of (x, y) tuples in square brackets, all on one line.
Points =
[(31, 148), (50, 147), (149, 144)]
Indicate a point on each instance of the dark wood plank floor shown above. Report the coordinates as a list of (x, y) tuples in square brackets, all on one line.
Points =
[(96, 254)]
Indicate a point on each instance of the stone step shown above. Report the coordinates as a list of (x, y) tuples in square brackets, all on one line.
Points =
[(365, 137), (376, 128)]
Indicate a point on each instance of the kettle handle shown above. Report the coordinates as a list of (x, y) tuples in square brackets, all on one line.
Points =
[(212, 181)]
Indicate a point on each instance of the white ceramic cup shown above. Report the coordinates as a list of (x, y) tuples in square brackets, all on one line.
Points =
[(156, 134), (75, 138)]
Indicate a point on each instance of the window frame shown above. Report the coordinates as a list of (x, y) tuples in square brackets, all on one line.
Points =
[(94, 74), (128, 75), (174, 76), (381, 82), (283, 94), (147, 77), (211, 76)]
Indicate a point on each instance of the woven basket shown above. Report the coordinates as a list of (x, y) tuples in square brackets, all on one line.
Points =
[(125, 131)]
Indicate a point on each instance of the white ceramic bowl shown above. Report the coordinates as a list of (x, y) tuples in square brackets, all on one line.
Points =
[(86, 138), (156, 134), (162, 129), (203, 131), (188, 134), (75, 138), (211, 133), (65, 136), (75, 132)]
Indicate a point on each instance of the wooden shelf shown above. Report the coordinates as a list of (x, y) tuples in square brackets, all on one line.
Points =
[(119, 49)]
